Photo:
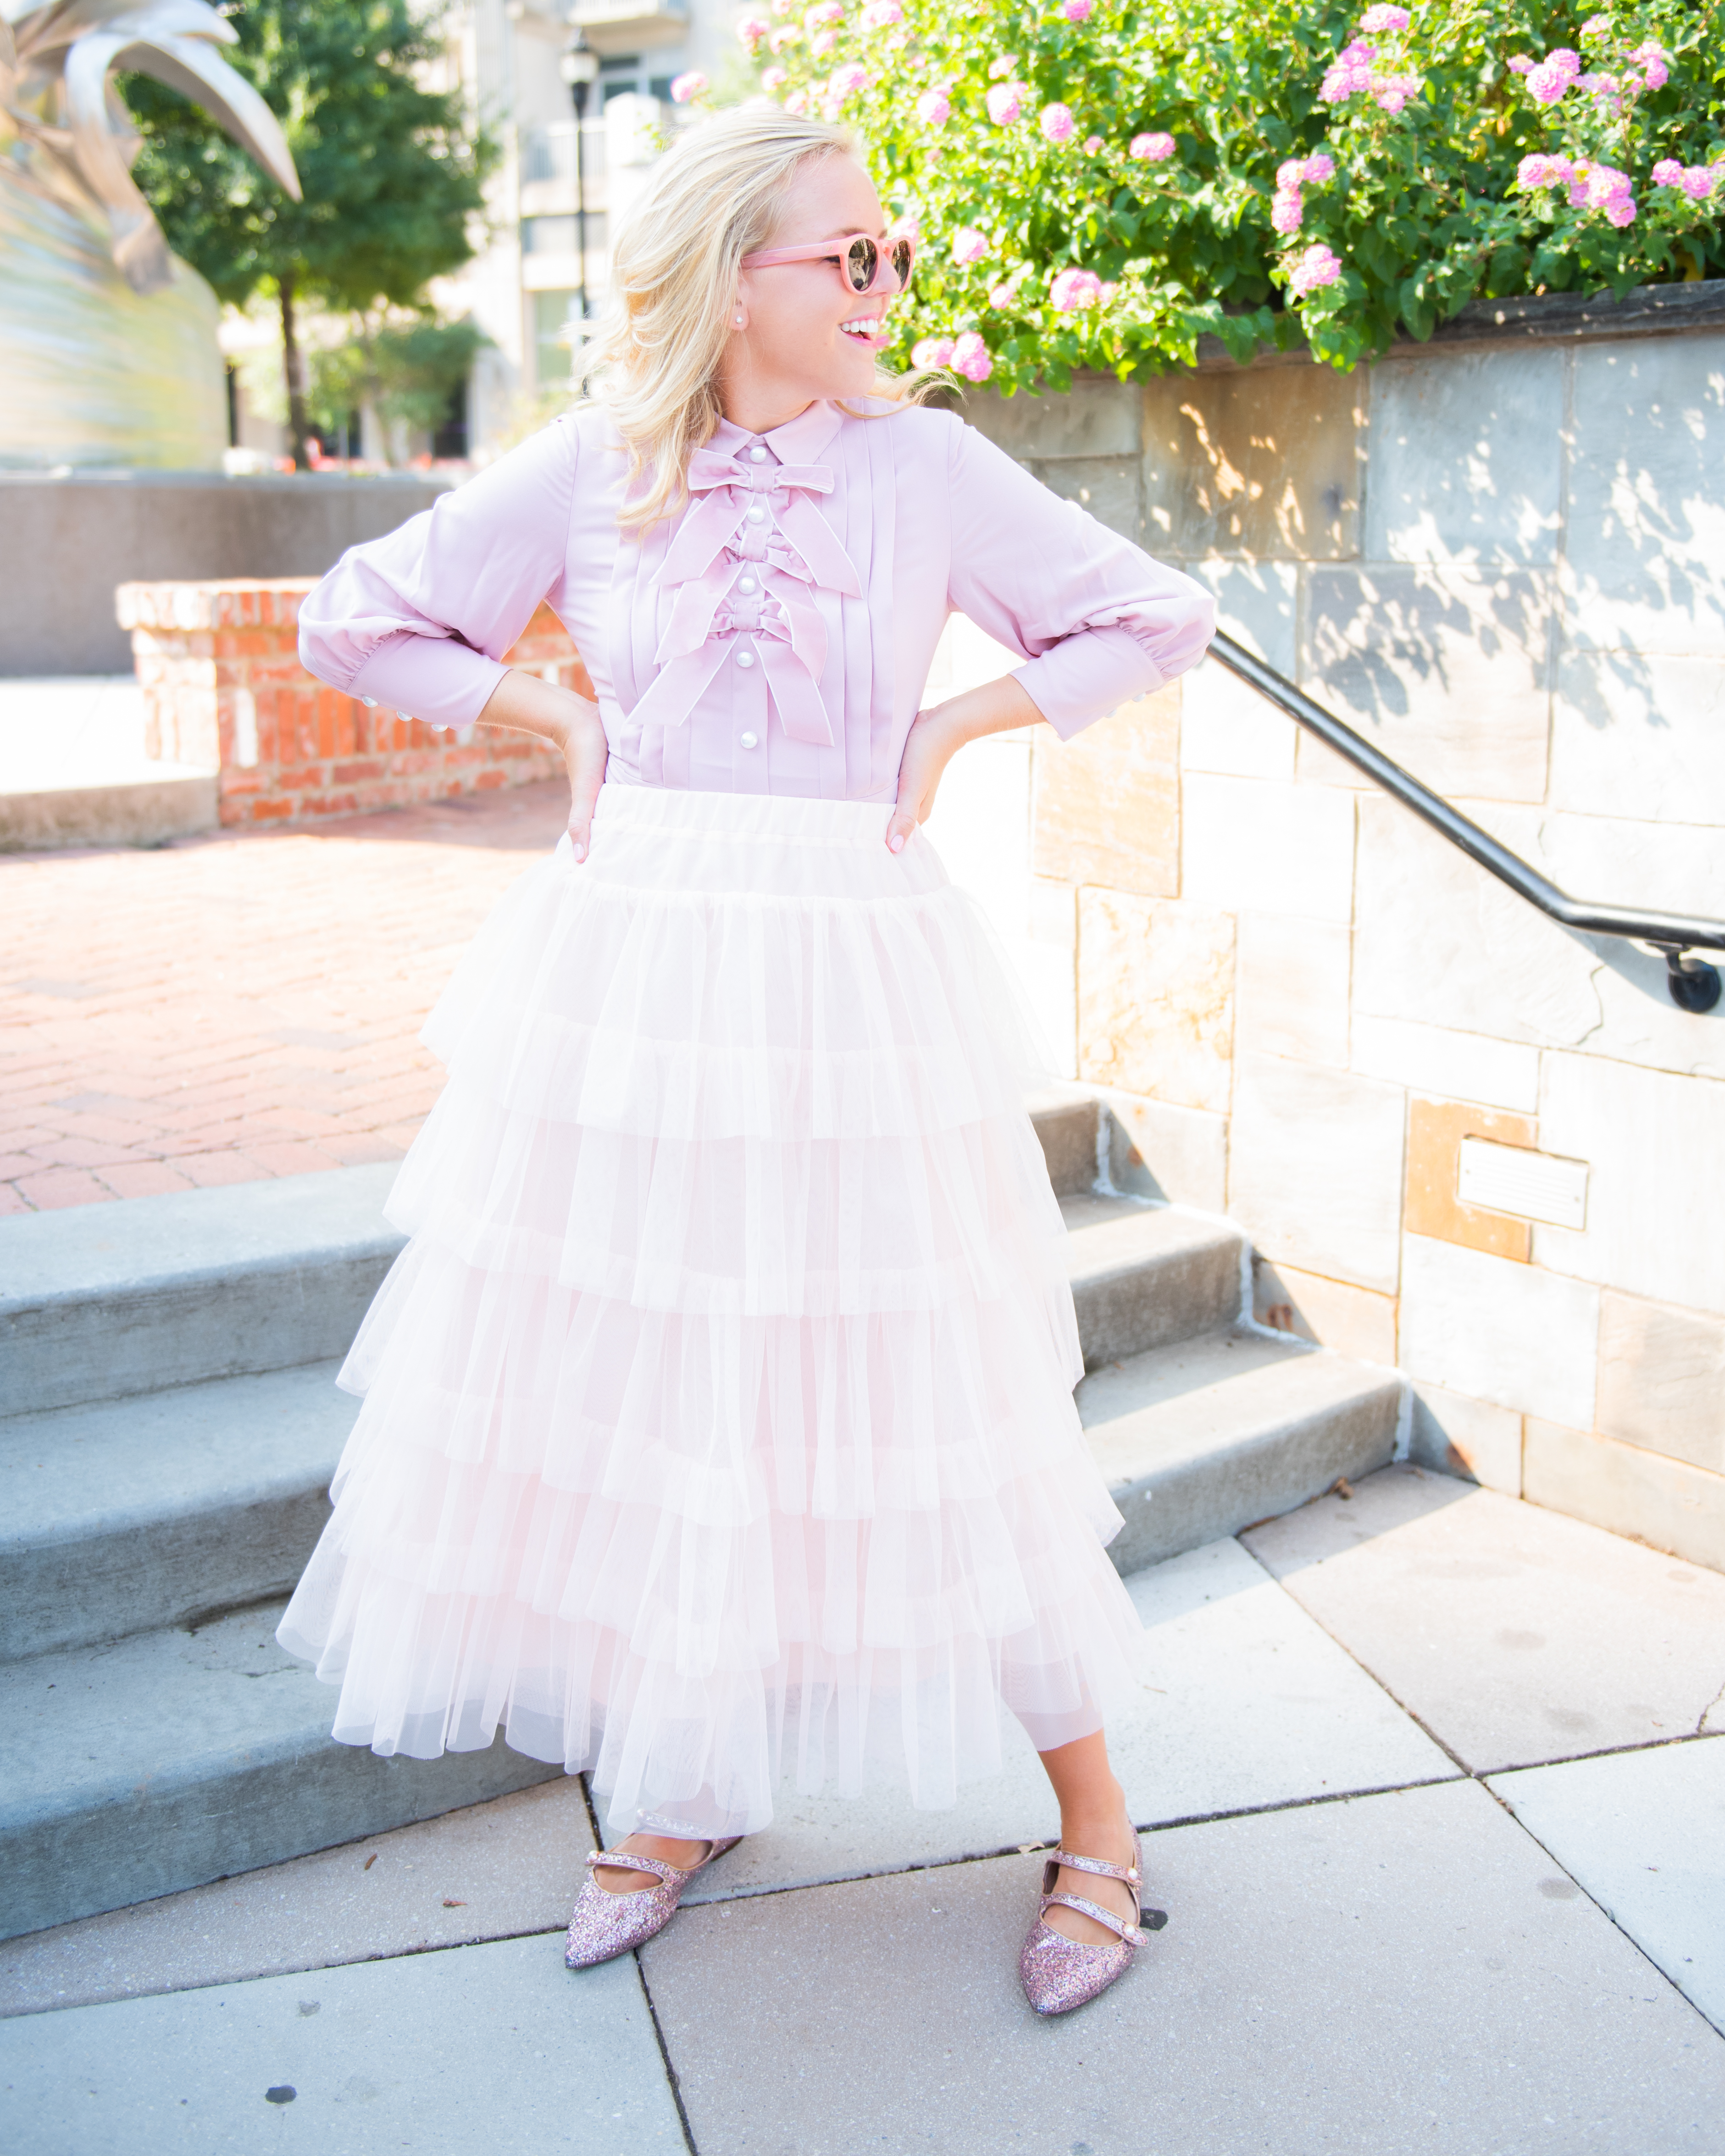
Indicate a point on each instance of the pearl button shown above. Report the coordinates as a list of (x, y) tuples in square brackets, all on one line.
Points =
[(746, 583), (745, 658), (758, 456), (748, 741), (756, 515)]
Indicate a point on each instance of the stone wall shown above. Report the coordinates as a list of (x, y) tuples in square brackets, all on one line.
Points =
[(1503, 561), (223, 688)]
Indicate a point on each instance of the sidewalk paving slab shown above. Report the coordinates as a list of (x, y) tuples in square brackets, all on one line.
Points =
[(1515, 1635), (492, 2048), (1244, 1704), (1383, 1973), (1643, 1832)]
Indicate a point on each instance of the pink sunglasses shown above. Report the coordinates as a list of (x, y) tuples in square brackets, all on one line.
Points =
[(858, 257)]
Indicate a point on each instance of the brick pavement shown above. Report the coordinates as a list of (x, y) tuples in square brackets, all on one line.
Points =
[(232, 1007)]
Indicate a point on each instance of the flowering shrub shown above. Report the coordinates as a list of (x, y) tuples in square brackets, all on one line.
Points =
[(1097, 183)]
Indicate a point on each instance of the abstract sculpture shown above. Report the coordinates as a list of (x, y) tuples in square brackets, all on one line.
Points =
[(107, 342)]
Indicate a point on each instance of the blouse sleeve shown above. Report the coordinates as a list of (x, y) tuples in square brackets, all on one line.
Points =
[(420, 619), (1099, 621)]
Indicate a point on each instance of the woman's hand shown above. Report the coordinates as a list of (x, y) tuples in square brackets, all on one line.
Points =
[(527, 704), (930, 747), (584, 754), (935, 737)]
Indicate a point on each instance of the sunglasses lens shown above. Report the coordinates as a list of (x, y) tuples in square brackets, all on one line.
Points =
[(860, 265), (901, 261)]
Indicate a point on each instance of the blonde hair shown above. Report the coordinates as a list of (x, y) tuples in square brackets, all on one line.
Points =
[(718, 195)]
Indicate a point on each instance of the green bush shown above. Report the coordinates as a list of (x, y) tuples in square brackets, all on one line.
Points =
[(1097, 183)]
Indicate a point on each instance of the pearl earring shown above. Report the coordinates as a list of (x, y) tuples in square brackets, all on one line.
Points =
[(739, 321)]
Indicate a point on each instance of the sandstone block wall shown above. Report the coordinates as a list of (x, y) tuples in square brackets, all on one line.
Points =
[(1506, 566), (223, 688)]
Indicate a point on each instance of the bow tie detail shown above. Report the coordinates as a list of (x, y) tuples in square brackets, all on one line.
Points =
[(753, 522)]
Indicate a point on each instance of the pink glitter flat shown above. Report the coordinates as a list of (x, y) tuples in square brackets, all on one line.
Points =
[(603, 1924), (1058, 1974)]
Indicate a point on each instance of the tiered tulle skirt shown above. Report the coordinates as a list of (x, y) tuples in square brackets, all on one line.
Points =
[(718, 1421)]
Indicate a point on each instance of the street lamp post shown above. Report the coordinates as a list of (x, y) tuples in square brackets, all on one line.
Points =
[(579, 67)]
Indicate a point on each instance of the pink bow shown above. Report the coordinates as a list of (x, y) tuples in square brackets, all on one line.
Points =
[(715, 547)]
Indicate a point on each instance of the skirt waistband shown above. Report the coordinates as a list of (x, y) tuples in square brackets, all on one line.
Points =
[(785, 820)]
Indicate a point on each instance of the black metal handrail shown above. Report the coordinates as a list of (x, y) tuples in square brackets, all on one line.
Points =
[(1694, 984)]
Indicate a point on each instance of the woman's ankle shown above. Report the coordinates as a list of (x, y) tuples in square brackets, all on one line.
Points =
[(1091, 1828)]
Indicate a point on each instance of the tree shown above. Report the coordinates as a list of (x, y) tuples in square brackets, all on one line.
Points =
[(407, 372), (392, 173)]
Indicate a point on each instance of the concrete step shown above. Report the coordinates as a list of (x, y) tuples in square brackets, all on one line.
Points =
[(101, 1301), (1068, 1122), (1144, 1276), (1212, 1435), (177, 1756), (128, 1515)]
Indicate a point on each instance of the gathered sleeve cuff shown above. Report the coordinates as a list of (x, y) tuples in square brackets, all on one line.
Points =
[(1097, 620), (420, 619)]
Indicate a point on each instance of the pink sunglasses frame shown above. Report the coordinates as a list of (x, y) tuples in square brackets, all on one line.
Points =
[(836, 250)]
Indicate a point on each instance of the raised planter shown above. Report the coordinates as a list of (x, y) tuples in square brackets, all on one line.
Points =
[(223, 689)]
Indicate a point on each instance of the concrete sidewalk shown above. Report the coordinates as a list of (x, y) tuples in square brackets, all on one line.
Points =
[(1435, 1806)]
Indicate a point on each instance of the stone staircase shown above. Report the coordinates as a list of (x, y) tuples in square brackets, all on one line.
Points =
[(169, 1433)]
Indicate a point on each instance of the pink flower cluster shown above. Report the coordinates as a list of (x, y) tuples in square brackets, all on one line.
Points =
[(1655, 64), (1077, 11), (687, 87), (1383, 19), (1073, 288), (1548, 80), (847, 81), (1006, 103), (1697, 181), (1152, 149), (1057, 123), (773, 78), (934, 108), (828, 11), (881, 15), (968, 244), (1287, 208), (1591, 187), (1313, 266), (966, 355), (750, 30), (1351, 75)]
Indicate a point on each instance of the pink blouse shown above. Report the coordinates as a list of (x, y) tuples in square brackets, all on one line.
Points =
[(775, 636)]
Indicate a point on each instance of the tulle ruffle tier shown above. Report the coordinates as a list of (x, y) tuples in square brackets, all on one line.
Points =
[(718, 1415)]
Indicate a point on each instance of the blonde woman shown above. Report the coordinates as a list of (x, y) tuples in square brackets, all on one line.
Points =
[(718, 1421)]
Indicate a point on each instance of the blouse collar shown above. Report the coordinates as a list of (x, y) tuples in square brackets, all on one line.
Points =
[(799, 441)]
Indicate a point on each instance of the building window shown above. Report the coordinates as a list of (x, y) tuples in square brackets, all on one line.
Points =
[(552, 360), (561, 235), (620, 89), (547, 235), (659, 87)]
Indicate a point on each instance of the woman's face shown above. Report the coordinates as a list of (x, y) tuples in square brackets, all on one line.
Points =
[(806, 333)]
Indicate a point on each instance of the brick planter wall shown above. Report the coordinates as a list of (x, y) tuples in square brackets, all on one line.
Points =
[(223, 688)]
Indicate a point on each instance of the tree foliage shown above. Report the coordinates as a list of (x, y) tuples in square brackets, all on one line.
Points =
[(1096, 183), (392, 171)]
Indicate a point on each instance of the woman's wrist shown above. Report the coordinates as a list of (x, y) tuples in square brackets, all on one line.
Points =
[(995, 707), (526, 704)]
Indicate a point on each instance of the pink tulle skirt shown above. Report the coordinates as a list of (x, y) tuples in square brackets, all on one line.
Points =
[(718, 1421)]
